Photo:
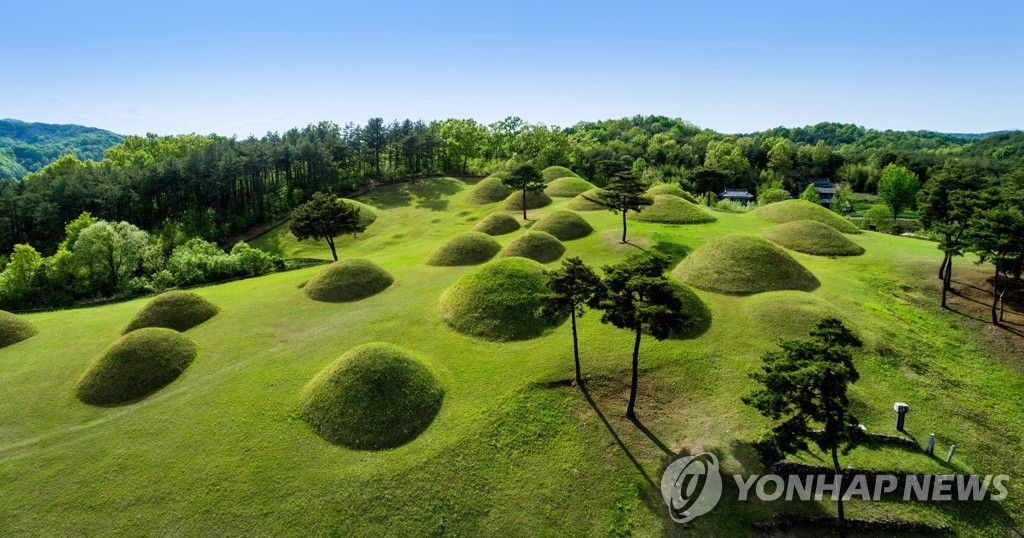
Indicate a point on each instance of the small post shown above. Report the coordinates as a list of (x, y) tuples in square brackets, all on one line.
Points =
[(901, 414), (930, 447), (952, 450)]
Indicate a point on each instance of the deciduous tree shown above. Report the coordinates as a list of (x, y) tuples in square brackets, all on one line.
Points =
[(897, 188)]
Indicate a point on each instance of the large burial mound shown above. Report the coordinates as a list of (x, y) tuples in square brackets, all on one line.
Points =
[(470, 248), (374, 397), (138, 364), (178, 310), (488, 191), (348, 280), (539, 246), (785, 314), (497, 224), (793, 210), (552, 173), (568, 187), (564, 225), (367, 214), (742, 264), (14, 329), (674, 190), (813, 237), (534, 200), (585, 201), (498, 301), (669, 209)]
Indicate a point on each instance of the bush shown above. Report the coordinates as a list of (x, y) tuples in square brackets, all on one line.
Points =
[(13, 329), (564, 225), (771, 196), (470, 248), (348, 280), (742, 264), (497, 224), (136, 365), (178, 310), (538, 246)]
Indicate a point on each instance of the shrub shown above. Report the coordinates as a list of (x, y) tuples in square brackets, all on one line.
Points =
[(136, 365), (564, 225), (348, 280), (538, 246), (13, 329), (813, 237), (742, 264), (770, 196), (178, 310), (470, 248), (497, 224)]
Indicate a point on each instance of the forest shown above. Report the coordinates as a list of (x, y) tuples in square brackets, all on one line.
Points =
[(28, 147)]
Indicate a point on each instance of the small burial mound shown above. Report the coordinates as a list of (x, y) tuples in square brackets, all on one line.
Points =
[(742, 264), (488, 191), (584, 202), (669, 209), (552, 173), (793, 210), (568, 187), (674, 190), (14, 329), (538, 246), (497, 224), (373, 397), (138, 364), (564, 225), (348, 280), (534, 200), (178, 310), (498, 301), (786, 314), (367, 214), (813, 237), (700, 315), (470, 248)]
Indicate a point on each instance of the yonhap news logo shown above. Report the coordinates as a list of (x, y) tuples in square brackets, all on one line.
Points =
[(691, 486)]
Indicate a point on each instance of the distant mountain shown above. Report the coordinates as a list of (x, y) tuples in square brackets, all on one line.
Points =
[(27, 147)]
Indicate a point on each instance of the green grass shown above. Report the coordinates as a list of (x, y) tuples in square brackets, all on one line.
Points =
[(536, 245), (374, 397), (470, 248), (488, 190), (534, 200), (786, 314), (813, 237), (348, 280), (178, 310), (584, 202), (14, 329), (568, 187), (136, 365), (564, 225), (699, 316), (498, 224), (367, 214), (552, 173), (793, 210), (670, 209), (742, 264), (672, 189)]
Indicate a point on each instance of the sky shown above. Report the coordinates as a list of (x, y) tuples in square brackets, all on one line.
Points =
[(241, 68)]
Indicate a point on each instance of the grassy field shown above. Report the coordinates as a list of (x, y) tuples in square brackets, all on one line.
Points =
[(515, 450)]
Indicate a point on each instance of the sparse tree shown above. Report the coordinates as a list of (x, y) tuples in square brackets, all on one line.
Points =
[(897, 188), (624, 193), (524, 178), (325, 216), (571, 289)]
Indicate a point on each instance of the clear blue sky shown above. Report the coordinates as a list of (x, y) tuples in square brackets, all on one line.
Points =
[(249, 67)]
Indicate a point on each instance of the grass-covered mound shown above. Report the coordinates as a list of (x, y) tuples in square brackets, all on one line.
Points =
[(367, 214), (138, 364), (539, 246), (374, 397), (488, 191), (178, 310), (568, 187), (564, 225), (785, 314), (813, 237), (584, 202), (741, 264), (534, 200), (672, 189), (552, 173), (14, 329), (670, 209), (348, 280), (497, 302), (469, 248), (497, 224), (700, 315), (793, 210)]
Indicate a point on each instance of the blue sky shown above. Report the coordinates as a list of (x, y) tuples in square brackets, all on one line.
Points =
[(250, 67)]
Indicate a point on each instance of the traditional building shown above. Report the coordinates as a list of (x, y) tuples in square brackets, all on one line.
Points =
[(826, 189), (737, 195)]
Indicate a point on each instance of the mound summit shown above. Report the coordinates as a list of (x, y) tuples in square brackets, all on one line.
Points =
[(14, 329), (564, 225), (671, 209), (792, 210), (584, 202), (552, 173), (367, 214), (348, 280), (568, 187), (470, 248), (813, 237), (136, 365), (488, 191), (534, 200), (539, 246), (178, 310), (742, 264), (671, 189), (497, 224)]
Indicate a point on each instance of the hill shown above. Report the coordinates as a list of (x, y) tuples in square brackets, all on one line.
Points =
[(28, 147)]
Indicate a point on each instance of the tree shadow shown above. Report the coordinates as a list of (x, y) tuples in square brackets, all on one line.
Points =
[(615, 436), (675, 251), (654, 439)]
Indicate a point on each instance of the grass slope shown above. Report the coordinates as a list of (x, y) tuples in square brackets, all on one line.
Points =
[(568, 187), (497, 224), (178, 310), (14, 329), (534, 200), (742, 264), (488, 191), (136, 365), (793, 210), (564, 225), (470, 248), (552, 173), (374, 397), (786, 314), (669, 209), (348, 280), (699, 315), (367, 214), (672, 189), (535, 245), (584, 202), (813, 237)]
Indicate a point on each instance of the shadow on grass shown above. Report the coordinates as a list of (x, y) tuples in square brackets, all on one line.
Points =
[(615, 436)]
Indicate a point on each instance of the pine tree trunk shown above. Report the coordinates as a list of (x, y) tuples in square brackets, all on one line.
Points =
[(946, 278), (842, 511), (334, 251), (631, 408), (524, 203), (995, 296), (624, 226), (942, 268), (576, 348)]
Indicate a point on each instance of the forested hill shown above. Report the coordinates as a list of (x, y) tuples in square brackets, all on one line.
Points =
[(28, 147)]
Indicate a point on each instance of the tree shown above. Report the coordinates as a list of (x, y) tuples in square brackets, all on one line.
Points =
[(111, 253), (524, 177), (639, 297), (74, 229), (625, 193), (997, 236), (327, 217), (16, 279), (570, 289), (811, 195), (805, 392), (897, 188)]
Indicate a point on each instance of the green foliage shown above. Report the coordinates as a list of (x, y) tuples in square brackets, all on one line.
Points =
[(741, 264), (586, 201), (178, 310), (326, 217), (526, 180), (534, 200), (111, 253), (497, 224), (536, 245), (470, 248), (669, 209), (198, 262), (136, 365), (552, 173), (74, 229), (14, 329), (810, 194), (813, 237), (569, 290), (948, 201), (19, 272), (564, 225), (784, 314), (489, 190), (374, 397), (568, 187), (792, 210), (28, 147), (898, 188), (623, 194), (698, 319), (348, 280)]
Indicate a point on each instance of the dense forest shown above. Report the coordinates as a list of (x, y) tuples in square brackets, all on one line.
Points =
[(28, 147)]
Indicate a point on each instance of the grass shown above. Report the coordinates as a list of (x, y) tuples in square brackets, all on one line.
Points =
[(742, 264), (374, 397), (348, 280), (584, 202), (671, 189), (568, 187), (470, 248), (813, 237), (14, 329), (498, 224), (535, 245), (367, 214), (552, 173), (534, 200), (564, 225), (488, 191), (136, 365), (786, 314), (793, 210), (699, 315), (670, 209), (178, 310)]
